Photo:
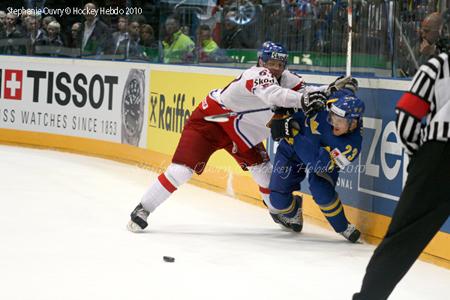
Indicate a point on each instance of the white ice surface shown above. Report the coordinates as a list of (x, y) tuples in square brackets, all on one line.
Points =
[(63, 236)]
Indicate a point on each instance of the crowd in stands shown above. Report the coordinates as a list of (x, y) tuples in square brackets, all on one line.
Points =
[(182, 35), (36, 35)]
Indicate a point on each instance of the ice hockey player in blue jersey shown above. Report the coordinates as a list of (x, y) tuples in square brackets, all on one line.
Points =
[(322, 140)]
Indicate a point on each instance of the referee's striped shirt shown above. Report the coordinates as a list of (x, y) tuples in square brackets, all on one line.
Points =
[(423, 113)]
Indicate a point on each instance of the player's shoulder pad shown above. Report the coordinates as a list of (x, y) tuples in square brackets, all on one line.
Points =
[(258, 77), (292, 81)]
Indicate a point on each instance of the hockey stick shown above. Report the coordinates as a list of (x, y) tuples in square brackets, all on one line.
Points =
[(226, 116), (349, 41)]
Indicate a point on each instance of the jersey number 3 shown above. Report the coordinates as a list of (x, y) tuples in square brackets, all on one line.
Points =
[(350, 153)]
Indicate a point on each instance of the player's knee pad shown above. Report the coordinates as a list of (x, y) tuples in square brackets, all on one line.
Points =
[(178, 174), (261, 173)]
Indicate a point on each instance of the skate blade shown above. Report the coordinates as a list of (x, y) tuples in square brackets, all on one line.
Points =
[(133, 227)]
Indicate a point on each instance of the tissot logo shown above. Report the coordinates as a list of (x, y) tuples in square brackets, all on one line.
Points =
[(79, 89), (62, 88), (13, 85)]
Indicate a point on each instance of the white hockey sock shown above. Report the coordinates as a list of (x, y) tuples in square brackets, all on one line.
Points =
[(261, 175), (167, 183), (265, 194)]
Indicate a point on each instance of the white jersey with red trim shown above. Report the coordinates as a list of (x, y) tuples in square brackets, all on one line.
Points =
[(257, 88)]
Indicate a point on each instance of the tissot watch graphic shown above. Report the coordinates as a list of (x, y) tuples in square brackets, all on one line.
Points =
[(133, 107)]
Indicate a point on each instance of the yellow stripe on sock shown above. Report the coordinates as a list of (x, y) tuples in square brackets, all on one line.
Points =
[(332, 206), (334, 213), (289, 209)]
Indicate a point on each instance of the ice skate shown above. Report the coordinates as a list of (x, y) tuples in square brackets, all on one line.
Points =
[(138, 220), (351, 233), (294, 223)]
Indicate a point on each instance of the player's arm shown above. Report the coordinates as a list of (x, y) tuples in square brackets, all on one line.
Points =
[(309, 98), (263, 85), (414, 105), (340, 83)]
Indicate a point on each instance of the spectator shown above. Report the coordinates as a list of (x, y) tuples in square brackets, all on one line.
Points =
[(22, 22), (2, 24), (234, 37), (177, 46), (206, 46), (45, 21), (121, 33), (148, 36), (134, 49), (34, 32), (95, 37), (185, 29), (148, 43), (2, 17), (129, 47), (52, 42), (429, 33), (16, 42), (73, 37), (140, 19)]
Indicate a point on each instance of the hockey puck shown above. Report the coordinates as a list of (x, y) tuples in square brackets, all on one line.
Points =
[(168, 259)]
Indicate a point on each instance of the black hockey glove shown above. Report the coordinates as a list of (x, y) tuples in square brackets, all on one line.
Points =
[(283, 110), (284, 128), (313, 102), (343, 83)]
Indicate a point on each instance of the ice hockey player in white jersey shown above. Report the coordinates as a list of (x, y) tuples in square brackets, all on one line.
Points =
[(269, 84)]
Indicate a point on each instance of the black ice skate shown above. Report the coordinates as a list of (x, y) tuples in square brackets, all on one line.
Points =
[(294, 223), (351, 233), (138, 220)]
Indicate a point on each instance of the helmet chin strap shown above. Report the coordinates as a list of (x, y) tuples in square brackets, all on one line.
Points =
[(349, 130), (348, 127), (260, 62)]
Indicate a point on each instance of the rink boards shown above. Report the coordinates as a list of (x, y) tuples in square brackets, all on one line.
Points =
[(135, 112)]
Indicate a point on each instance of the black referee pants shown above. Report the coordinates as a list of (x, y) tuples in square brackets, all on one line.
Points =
[(423, 208)]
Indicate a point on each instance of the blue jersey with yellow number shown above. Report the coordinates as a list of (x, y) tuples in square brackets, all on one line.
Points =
[(317, 145)]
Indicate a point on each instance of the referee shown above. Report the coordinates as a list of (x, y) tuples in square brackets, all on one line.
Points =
[(423, 124)]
